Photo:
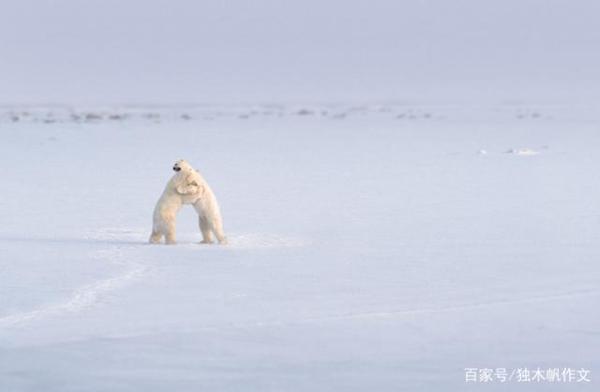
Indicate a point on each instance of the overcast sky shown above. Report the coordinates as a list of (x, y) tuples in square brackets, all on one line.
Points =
[(175, 51)]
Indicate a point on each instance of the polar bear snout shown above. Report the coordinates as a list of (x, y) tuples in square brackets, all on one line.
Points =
[(181, 165)]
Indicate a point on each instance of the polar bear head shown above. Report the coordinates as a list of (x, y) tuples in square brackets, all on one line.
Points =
[(182, 166)]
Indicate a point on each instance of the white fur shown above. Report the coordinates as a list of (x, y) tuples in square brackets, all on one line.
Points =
[(187, 187)]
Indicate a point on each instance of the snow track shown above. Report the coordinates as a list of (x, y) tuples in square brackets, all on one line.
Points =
[(120, 254), (87, 295)]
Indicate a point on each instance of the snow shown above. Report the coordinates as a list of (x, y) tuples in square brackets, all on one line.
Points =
[(372, 247)]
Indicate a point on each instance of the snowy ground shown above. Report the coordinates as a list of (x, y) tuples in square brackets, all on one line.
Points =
[(372, 248)]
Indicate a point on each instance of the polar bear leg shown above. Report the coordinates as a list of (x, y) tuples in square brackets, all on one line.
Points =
[(217, 228), (155, 237), (205, 229), (170, 234)]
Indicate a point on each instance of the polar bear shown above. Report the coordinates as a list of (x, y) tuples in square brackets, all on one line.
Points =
[(179, 189), (209, 213), (187, 187), (205, 204)]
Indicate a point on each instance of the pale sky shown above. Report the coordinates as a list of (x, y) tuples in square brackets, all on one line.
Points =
[(176, 51)]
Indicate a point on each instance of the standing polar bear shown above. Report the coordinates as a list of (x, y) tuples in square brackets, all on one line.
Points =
[(187, 187)]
